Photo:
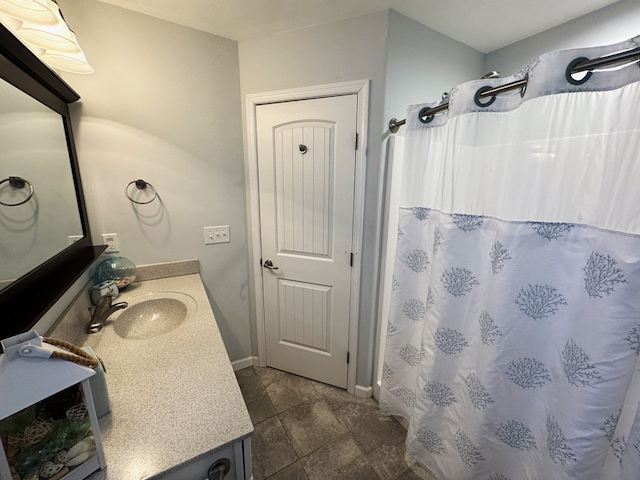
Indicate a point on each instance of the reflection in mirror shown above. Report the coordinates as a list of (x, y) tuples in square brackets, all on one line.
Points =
[(39, 294), (33, 146)]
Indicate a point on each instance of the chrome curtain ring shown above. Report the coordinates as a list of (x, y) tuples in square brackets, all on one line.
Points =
[(424, 117), (140, 185), (17, 183), (478, 96), (568, 74)]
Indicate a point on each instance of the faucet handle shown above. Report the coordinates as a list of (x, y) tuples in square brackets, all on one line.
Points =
[(103, 304), (108, 287), (104, 301), (101, 312)]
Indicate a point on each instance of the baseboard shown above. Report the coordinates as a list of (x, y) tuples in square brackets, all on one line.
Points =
[(376, 391), (244, 363), (360, 391), (363, 392)]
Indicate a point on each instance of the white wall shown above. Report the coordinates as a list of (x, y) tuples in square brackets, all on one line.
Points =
[(353, 49), (612, 24), (164, 105), (422, 64)]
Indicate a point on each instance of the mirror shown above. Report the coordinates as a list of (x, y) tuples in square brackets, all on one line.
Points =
[(37, 262), (39, 216)]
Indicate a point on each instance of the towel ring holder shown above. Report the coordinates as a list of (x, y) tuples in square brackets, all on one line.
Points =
[(18, 183), (140, 185)]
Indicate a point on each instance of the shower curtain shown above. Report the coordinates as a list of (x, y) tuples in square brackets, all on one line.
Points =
[(513, 341)]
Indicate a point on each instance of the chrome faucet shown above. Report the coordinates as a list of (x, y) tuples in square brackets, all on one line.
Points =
[(103, 309)]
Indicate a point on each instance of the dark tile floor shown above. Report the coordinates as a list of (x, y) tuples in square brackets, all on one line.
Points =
[(305, 430)]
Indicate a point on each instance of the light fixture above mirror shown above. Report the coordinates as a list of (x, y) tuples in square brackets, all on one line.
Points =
[(40, 26), (41, 12)]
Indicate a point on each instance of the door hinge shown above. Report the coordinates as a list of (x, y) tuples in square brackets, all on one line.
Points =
[(348, 358), (355, 140), (351, 260)]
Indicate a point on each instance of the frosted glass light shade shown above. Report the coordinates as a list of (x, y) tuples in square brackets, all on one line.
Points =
[(56, 37), (68, 62), (42, 12), (9, 21), (55, 44)]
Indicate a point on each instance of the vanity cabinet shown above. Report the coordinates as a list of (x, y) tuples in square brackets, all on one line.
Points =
[(176, 407)]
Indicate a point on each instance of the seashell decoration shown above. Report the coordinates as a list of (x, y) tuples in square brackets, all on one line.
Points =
[(49, 469), (81, 447), (83, 457), (77, 412), (81, 452)]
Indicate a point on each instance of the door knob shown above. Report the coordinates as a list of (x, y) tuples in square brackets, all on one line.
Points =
[(269, 264)]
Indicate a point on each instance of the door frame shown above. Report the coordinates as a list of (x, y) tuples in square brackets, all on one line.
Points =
[(361, 89)]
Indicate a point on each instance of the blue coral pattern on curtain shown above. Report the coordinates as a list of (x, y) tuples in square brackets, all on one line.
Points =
[(513, 347)]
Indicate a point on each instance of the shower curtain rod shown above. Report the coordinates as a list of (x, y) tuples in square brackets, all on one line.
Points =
[(579, 65)]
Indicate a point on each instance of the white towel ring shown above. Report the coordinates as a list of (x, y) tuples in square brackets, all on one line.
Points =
[(140, 185), (17, 182)]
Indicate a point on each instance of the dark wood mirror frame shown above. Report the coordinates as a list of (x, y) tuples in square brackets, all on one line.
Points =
[(27, 299)]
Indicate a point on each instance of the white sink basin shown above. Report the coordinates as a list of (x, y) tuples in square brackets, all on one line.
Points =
[(152, 314)]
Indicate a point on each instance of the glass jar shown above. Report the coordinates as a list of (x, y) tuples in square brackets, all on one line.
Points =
[(119, 269)]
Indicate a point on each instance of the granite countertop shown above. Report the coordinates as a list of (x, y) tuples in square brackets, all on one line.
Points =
[(174, 397)]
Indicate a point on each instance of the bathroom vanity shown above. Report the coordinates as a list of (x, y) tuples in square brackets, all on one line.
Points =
[(176, 408)]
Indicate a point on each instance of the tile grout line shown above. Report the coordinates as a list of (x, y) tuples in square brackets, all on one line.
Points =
[(283, 428), (320, 395), (299, 458), (286, 431)]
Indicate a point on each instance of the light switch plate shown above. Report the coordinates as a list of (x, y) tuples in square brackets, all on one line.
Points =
[(219, 234)]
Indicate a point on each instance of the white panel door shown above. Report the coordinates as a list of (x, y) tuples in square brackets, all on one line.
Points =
[(306, 162)]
